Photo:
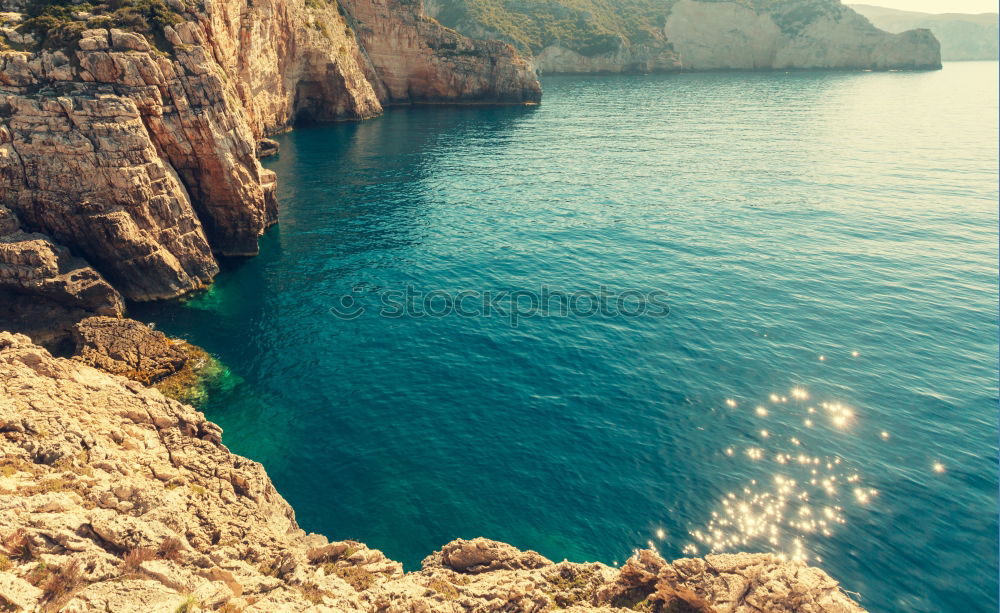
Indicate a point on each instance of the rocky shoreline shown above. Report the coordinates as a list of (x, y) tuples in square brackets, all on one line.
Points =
[(117, 498)]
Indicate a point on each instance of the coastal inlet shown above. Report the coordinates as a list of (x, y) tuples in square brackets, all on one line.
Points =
[(828, 238)]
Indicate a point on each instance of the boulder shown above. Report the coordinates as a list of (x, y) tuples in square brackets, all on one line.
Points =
[(127, 347)]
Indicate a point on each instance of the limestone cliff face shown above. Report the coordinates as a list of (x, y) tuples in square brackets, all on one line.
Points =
[(139, 155), (723, 35), (411, 58), (116, 498)]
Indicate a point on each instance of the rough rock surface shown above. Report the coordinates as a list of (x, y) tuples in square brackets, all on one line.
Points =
[(44, 289), (127, 347), (556, 59), (31, 264), (139, 152), (116, 498)]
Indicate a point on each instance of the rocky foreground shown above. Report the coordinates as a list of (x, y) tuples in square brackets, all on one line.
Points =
[(114, 497)]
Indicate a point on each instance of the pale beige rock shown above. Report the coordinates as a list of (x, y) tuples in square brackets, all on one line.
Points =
[(482, 555), (139, 492), (556, 59)]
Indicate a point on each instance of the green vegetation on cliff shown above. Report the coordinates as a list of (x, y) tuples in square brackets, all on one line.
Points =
[(591, 27), (59, 23)]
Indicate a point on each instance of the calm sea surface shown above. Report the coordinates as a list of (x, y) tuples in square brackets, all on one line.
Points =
[(824, 386)]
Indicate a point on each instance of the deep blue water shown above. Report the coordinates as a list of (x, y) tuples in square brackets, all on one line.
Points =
[(824, 386)]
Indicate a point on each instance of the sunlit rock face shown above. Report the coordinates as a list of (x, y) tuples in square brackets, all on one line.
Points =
[(555, 59), (412, 58), (120, 499)]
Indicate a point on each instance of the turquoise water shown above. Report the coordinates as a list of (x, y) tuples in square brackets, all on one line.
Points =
[(824, 386)]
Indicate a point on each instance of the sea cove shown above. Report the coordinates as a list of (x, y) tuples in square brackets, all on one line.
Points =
[(828, 245)]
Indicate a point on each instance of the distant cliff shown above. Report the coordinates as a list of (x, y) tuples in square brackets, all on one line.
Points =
[(129, 129), (116, 498), (582, 36), (962, 36)]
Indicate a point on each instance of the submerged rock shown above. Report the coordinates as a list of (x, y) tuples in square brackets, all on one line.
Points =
[(118, 498)]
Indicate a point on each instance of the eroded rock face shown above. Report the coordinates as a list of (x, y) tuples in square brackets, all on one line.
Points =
[(118, 498), (31, 264), (555, 59), (671, 35), (44, 289), (410, 57)]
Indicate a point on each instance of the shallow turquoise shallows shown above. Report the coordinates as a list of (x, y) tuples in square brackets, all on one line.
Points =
[(824, 386)]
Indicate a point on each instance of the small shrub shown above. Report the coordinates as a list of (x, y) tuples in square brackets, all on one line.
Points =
[(313, 593), (38, 575), (189, 605), (170, 549), (357, 577), (61, 583), (447, 590), (18, 547), (135, 557)]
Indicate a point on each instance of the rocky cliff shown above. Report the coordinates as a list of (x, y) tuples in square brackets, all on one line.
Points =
[(129, 130), (116, 498), (667, 35), (963, 36), (409, 58)]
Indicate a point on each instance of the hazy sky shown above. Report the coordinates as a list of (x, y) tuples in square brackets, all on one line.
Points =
[(935, 6)]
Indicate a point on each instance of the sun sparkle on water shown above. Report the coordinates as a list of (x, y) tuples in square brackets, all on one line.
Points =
[(802, 499)]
